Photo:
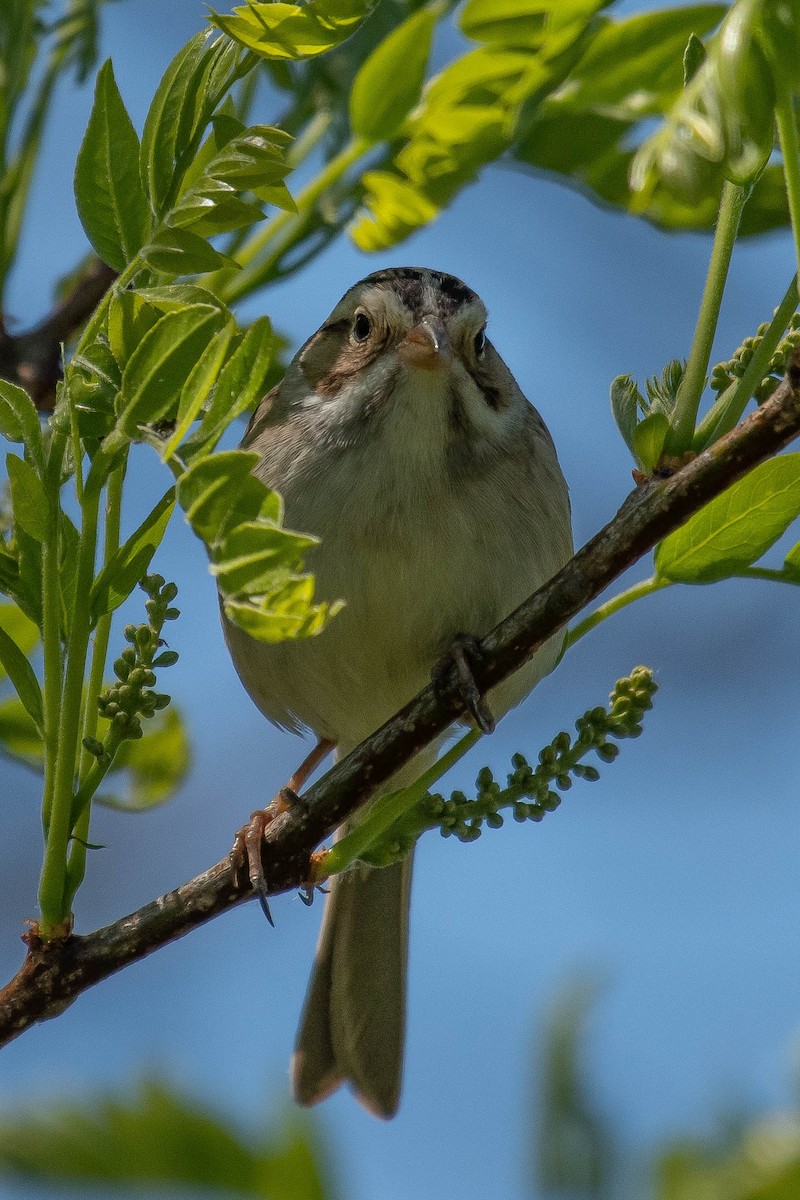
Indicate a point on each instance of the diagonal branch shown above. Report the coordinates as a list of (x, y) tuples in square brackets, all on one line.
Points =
[(32, 359), (55, 973)]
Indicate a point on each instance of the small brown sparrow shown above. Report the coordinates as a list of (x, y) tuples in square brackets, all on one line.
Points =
[(400, 438)]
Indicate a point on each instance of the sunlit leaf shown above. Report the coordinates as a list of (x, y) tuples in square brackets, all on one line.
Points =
[(256, 561), (626, 401), (736, 528), (377, 107), (108, 191), (292, 31)]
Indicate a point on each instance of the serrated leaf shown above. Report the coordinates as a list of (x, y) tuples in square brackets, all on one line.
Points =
[(19, 628), (23, 677), (108, 191), (19, 420), (157, 370), (649, 437), (736, 528), (129, 564), (182, 252), (626, 400), (378, 107), (394, 209), (27, 498)]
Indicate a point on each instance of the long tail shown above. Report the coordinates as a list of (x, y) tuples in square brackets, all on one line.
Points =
[(354, 1019)]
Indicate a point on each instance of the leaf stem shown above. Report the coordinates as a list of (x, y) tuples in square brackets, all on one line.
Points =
[(645, 588), (691, 386), (54, 914), (51, 625), (91, 772)]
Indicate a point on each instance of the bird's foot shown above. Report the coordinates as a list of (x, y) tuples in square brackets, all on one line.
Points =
[(459, 660)]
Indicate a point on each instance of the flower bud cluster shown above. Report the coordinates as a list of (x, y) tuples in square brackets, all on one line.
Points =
[(531, 791), (724, 373), (133, 697)]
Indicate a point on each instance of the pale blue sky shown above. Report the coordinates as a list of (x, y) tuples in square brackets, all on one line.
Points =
[(675, 876)]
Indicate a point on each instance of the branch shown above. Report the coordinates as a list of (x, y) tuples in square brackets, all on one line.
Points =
[(54, 973), (33, 359)]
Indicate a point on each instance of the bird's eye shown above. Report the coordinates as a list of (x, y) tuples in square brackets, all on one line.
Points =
[(362, 327), (480, 342)]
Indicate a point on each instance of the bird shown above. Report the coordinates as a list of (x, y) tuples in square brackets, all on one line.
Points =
[(401, 440)]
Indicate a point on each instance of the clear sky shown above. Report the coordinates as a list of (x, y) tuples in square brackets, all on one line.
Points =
[(675, 877)]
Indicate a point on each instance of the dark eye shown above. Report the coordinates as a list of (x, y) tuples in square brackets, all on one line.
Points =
[(480, 342), (362, 327)]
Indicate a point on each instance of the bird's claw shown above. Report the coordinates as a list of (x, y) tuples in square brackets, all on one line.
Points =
[(459, 658), (247, 849)]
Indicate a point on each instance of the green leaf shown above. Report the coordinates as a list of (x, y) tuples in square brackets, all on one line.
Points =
[(251, 553), (196, 390), (289, 31), (23, 677), (182, 252), (19, 421), (194, 82), (389, 83), (155, 764), (649, 437), (157, 370), (27, 497), (129, 564), (155, 1141), (19, 737), (108, 191), (218, 492), (626, 400), (736, 528), (720, 126), (282, 613), (634, 67), (239, 386), (394, 209), (525, 23), (19, 628), (254, 559)]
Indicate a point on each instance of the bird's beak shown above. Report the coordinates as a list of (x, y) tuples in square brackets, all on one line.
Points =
[(426, 345)]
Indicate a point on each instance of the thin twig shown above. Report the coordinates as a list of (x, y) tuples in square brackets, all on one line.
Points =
[(55, 973)]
